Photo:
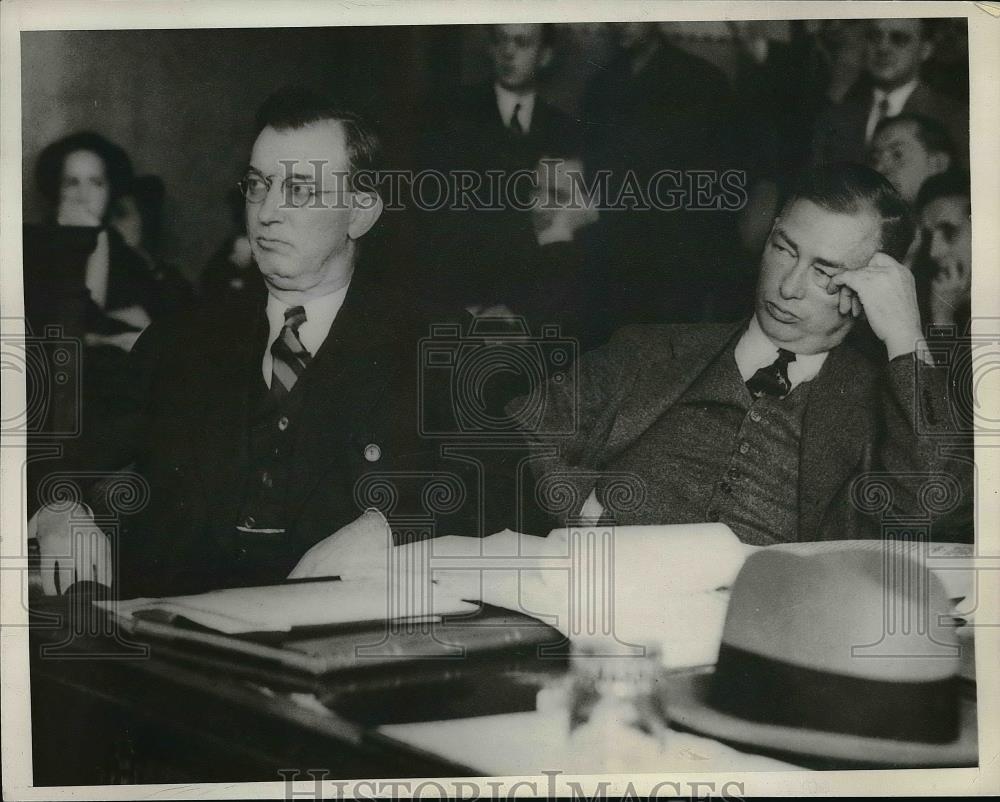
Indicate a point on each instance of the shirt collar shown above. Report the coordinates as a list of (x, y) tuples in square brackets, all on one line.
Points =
[(755, 351), (896, 97), (320, 314), (507, 100)]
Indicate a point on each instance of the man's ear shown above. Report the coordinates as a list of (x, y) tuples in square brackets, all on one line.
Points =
[(926, 50), (545, 57), (366, 208), (939, 162)]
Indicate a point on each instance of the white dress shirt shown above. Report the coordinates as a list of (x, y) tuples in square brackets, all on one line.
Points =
[(755, 351), (320, 314), (507, 100), (895, 100)]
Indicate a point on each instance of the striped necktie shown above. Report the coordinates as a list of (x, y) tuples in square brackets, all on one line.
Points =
[(290, 357)]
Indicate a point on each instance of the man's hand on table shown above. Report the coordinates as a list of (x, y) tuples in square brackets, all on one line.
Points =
[(72, 548)]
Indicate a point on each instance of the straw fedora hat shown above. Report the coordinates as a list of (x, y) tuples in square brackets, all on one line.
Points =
[(848, 654)]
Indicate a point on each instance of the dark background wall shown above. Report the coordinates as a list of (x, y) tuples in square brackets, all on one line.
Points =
[(181, 102)]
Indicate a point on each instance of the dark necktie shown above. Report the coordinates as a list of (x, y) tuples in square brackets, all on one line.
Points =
[(772, 379), (290, 356), (515, 121)]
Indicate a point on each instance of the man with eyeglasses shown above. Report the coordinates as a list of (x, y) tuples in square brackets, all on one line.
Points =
[(259, 430), (895, 50)]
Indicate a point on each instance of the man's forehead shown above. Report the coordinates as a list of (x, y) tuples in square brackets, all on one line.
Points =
[(900, 24), (519, 31), (317, 146), (849, 239), (897, 132), (953, 208)]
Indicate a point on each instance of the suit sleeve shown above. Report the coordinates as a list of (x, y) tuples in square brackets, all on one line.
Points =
[(924, 453), (567, 446)]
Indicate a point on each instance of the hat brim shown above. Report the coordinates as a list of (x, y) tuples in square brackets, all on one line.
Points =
[(687, 706)]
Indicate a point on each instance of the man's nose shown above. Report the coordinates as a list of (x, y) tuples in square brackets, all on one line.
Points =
[(880, 163), (938, 249), (793, 284), (271, 209)]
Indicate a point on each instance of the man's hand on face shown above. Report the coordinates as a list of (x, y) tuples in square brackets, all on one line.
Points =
[(951, 289), (888, 295)]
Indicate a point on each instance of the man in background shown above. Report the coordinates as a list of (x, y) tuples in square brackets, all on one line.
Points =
[(892, 85), (502, 126), (908, 150)]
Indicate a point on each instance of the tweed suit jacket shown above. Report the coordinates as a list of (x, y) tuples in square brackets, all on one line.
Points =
[(869, 444), (840, 130)]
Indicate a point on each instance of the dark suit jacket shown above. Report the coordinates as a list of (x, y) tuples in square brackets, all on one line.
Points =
[(861, 418), (185, 428), (473, 255), (840, 130), (465, 130)]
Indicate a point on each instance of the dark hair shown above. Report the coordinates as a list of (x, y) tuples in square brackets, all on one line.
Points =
[(149, 193), (49, 168), (548, 33), (929, 132), (949, 184), (296, 107), (849, 188)]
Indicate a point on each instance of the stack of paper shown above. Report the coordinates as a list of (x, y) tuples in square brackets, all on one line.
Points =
[(278, 608)]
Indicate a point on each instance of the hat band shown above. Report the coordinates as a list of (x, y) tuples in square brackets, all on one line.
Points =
[(768, 691)]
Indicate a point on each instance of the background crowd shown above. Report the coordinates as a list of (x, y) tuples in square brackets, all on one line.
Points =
[(113, 249)]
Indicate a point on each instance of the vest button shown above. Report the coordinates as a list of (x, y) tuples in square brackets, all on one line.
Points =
[(744, 448), (282, 423), (755, 416)]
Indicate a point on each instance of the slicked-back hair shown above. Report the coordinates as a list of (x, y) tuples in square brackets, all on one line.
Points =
[(949, 184), (849, 188), (49, 168), (292, 107), (929, 132)]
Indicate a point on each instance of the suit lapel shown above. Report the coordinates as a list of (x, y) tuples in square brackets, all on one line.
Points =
[(226, 412), (835, 429), (347, 379), (658, 386)]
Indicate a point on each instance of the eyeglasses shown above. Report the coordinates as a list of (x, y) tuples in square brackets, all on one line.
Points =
[(296, 192)]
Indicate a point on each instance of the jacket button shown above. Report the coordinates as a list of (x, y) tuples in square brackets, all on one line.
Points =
[(755, 416), (372, 452), (744, 448), (733, 473), (282, 423)]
